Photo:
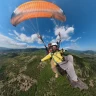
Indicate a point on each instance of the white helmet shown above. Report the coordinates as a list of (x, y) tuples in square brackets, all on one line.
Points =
[(54, 44)]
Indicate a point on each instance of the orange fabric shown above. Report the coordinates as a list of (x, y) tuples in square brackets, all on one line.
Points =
[(38, 5), (35, 9)]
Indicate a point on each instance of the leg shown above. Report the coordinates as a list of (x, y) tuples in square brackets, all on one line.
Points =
[(54, 69), (71, 72), (74, 80), (69, 58), (68, 66)]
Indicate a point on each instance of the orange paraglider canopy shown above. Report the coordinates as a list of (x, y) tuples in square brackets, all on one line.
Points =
[(36, 9)]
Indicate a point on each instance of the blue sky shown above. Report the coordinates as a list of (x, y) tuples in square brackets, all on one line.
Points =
[(78, 32)]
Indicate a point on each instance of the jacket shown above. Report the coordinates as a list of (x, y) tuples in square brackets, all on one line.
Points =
[(57, 57)]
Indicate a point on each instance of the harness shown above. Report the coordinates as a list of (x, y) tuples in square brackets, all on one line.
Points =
[(53, 57), (57, 57), (60, 70)]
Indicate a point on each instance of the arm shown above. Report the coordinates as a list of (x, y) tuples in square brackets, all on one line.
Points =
[(46, 57)]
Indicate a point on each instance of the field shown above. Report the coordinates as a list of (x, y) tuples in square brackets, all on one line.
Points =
[(22, 75)]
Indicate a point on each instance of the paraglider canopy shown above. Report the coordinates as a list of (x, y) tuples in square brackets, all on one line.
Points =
[(37, 9)]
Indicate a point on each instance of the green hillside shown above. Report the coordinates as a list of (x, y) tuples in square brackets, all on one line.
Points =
[(21, 75)]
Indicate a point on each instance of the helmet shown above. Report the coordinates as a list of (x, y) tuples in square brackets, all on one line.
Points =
[(54, 44)]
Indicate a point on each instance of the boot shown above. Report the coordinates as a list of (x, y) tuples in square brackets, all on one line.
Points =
[(78, 84)]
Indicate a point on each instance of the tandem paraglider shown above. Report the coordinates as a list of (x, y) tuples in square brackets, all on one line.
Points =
[(44, 9)]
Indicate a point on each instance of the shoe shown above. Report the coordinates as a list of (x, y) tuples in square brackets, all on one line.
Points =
[(80, 84), (56, 75), (77, 84)]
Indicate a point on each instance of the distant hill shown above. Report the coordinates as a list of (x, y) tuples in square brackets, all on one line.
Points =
[(3, 48), (90, 52), (79, 52), (8, 50)]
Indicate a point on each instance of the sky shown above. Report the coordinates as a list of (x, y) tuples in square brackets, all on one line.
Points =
[(77, 32)]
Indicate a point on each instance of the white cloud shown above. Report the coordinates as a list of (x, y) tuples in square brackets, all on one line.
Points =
[(28, 39), (29, 46), (10, 34), (74, 46), (22, 29), (15, 32), (67, 47), (75, 39), (8, 42), (39, 41), (64, 32), (35, 46)]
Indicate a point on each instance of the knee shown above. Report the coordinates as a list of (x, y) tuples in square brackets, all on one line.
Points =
[(70, 58), (54, 68)]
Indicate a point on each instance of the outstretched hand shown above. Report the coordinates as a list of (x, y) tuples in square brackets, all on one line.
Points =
[(40, 63)]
